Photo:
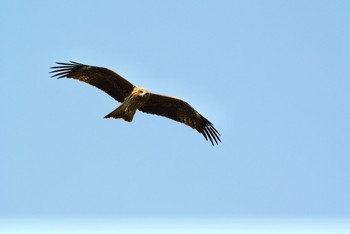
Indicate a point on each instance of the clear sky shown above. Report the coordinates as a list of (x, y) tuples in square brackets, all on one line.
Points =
[(272, 76)]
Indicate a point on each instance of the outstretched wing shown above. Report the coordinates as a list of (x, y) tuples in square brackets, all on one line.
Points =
[(181, 111), (102, 78)]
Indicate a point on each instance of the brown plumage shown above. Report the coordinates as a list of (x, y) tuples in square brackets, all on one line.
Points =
[(135, 98)]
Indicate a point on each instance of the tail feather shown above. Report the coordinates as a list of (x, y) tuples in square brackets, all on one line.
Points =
[(121, 113)]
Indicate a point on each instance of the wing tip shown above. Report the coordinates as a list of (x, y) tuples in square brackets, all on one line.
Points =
[(210, 133), (63, 69)]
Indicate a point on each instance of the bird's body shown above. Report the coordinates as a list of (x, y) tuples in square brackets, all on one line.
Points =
[(134, 98)]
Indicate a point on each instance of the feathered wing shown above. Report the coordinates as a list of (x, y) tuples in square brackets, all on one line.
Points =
[(102, 78), (181, 111)]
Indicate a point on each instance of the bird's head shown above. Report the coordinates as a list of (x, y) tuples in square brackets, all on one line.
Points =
[(141, 92)]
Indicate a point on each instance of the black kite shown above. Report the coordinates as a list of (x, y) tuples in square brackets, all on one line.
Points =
[(135, 98)]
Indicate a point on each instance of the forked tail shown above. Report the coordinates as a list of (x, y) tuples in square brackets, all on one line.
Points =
[(122, 113)]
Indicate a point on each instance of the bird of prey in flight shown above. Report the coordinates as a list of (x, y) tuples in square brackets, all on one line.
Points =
[(135, 98)]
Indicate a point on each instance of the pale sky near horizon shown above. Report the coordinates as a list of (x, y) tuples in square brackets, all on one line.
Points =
[(272, 76)]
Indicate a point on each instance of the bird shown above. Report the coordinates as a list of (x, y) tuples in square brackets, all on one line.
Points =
[(135, 98)]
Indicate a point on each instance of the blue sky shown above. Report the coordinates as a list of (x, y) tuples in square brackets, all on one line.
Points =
[(272, 76)]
